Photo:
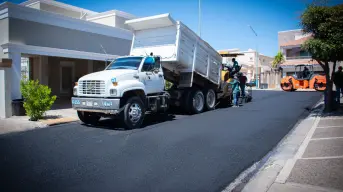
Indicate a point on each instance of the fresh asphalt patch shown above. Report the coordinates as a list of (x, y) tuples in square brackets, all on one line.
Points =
[(203, 152)]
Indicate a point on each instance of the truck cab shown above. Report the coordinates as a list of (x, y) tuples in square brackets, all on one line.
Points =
[(128, 86)]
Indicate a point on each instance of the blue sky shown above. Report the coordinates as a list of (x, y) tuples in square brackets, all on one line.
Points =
[(224, 22)]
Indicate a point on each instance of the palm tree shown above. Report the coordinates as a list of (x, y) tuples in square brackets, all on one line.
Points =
[(278, 59)]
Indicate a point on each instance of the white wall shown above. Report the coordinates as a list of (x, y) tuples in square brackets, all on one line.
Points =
[(111, 20), (35, 5), (4, 35), (120, 22), (5, 93), (61, 11), (108, 20)]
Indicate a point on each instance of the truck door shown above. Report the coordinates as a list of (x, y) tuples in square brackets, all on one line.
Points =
[(159, 74), (149, 76)]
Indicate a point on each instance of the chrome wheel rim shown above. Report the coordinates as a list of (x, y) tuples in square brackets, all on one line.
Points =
[(135, 112), (198, 101), (210, 98)]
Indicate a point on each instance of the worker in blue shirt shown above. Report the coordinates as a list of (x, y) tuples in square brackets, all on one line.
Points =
[(235, 67), (235, 90)]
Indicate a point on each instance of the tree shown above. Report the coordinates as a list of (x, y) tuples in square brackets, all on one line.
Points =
[(278, 59), (325, 24)]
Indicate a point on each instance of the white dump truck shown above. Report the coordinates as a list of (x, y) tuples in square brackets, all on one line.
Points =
[(162, 49)]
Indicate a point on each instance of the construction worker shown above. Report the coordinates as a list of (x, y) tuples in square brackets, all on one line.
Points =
[(338, 81), (235, 90), (235, 67), (306, 72), (242, 81)]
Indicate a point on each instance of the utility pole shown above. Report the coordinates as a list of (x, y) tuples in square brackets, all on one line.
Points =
[(256, 57), (199, 17)]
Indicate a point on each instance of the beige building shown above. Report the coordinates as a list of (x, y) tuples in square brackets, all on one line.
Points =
[(290, 45), (56, 43), (247, 59)]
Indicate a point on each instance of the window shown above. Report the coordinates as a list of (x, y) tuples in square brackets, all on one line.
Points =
[(151, 63), (157, 62), (125, 63), (26, 68), (304, 53)]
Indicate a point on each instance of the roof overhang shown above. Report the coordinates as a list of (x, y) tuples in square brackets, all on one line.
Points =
[(10, 10), (293, 66), (54, 52), (110, 13), (229, 54), (156, 21), (58, 4)]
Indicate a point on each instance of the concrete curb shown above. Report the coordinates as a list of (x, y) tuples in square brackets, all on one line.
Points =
[(269, 167), (58, 121)]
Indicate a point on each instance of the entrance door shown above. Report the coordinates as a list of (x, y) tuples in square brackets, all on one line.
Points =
[(66, 78)]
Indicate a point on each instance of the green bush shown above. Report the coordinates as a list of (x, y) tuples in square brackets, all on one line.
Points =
[(37, 98)]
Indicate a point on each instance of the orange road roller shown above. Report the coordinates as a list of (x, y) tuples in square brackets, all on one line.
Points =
[(304, 78)]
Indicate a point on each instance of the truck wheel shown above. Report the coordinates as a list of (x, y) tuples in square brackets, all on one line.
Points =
[(88, 118), (134, 113), (196, 102), (210, 96)]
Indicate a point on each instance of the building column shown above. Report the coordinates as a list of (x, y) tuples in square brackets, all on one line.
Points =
[(277, 79), (249, 75), (43, 70), (5, 89), (90, 66), (16, 75)]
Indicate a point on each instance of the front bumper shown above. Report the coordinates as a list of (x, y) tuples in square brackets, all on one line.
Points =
[(99, 105)]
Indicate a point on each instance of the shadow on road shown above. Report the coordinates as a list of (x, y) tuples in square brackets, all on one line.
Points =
[(150, 119)]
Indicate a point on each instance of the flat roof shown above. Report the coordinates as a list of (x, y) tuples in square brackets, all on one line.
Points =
[(289, 30), (110, 13), (58, 4)]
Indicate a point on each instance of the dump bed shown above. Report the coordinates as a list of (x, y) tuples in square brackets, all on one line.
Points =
[(181, 50)]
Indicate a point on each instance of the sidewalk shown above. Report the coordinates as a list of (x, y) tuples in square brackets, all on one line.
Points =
[(52, 117), (310, 158)]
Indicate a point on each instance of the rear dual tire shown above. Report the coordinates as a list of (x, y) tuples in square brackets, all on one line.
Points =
[(196, 101), (211, 100)]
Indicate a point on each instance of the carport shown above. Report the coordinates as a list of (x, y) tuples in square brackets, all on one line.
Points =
[(53, 48)]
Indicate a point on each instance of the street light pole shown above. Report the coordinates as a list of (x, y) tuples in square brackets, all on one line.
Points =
[(199, 24), (256, 58)]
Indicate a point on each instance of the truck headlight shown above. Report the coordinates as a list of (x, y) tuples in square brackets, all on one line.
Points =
[(75, 91), (113, 92)]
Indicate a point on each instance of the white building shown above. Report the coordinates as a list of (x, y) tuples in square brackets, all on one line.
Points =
[(55, 43), (248, 61)]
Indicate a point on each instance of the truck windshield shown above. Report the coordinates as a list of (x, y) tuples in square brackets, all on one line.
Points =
[(125, 63)]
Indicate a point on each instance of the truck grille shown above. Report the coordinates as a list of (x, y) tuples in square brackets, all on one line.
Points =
[(92, 87)]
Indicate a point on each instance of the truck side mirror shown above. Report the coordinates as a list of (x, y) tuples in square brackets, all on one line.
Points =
[(156, 70)]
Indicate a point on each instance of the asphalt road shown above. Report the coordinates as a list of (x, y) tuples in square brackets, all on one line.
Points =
[(197, 153)]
